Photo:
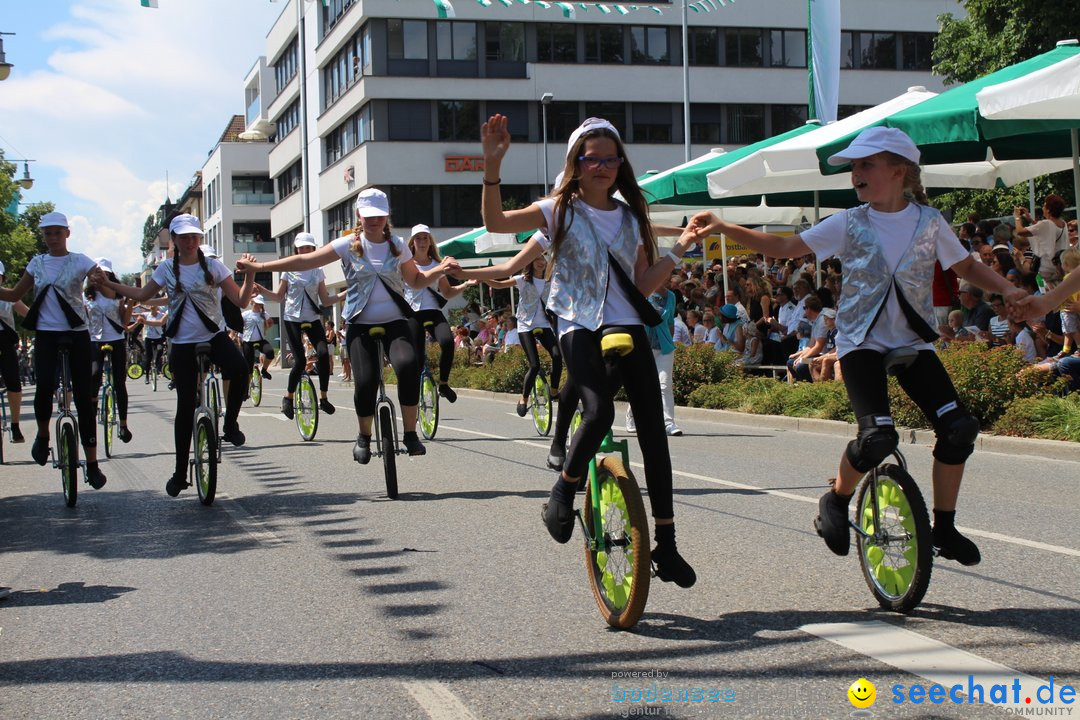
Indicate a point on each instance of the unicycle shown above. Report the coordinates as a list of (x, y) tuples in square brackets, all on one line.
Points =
[(540, 404), (386, 438), (206, 443), (107, 402), (616, 529), (255, 385), (66, 432), (306, 410)]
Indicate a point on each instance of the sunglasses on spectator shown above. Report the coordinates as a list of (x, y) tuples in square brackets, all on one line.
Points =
[(594, 163)]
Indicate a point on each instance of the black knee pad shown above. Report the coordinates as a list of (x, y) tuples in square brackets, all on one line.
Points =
[(876, 441), (956, 430)]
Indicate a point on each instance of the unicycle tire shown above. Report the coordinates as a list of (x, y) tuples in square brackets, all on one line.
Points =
[(541, 406), (213, 403), (306, 410), (897, 571), (166, 371), (69, 464), (153, 379), (206, 455), (108, 421), (389, 452), (429, 406), (134, 371), (255, 387), (620, 576)]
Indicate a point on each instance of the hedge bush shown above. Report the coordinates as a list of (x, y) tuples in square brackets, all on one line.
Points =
[(1052, 418)]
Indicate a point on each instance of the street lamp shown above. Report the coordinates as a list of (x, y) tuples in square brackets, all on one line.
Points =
[(25, 182), (545, 100), (5, 66)]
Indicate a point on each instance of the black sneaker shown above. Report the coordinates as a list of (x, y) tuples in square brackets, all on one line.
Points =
[(286, 407), (559, 520), (95, 477), (326, 406), (951, 545), (361, 451), (124, 433), (447, 392), (522, 408), (265, 374), (670, 566), (172, 385), (555, 462), (232, 434), (16, 434), (412, 443), (40, 450), (832, 523), (176, 484)]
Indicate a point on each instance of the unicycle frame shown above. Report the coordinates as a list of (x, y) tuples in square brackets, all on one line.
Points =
[(382, 399), (64, 416), (205, 378)]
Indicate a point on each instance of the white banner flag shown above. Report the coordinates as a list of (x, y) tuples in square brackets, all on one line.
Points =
[(823, 58)]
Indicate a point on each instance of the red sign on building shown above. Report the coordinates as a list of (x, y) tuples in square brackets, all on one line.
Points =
[(463, 163)]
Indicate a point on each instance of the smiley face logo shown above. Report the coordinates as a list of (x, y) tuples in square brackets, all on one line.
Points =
[(862, 693)]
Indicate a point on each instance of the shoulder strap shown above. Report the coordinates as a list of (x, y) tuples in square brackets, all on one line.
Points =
[(644, 308)]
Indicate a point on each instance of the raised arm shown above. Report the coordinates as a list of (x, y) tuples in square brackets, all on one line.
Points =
[(139, 294), (308, 261), (772, 245), (501, 284), (417, 278), (21, 288), (495, 138), (529, 252)]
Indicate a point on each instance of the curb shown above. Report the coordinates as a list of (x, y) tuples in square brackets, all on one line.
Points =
[(1046, 449)]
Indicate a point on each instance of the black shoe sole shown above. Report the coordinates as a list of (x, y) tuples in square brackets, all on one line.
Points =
[(555, 462), (563, 531), (818, 522)]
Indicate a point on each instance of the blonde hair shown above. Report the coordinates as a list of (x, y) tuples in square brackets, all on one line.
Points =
[(357, 245), (913, 187), (1070, 259)]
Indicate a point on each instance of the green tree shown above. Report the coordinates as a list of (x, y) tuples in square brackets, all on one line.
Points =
[(150, 233), (31, 218), (993, 35), (17, 240)]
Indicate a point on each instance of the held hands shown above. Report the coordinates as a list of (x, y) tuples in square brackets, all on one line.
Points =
[(97, 277), (495, 138), (247, 264), (705, 223), (449, 266)]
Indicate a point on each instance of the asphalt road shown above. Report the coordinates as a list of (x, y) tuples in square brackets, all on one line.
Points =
[(304, 592)]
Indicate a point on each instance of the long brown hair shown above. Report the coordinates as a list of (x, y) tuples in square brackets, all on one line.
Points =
[(433, 251), (625, 184)]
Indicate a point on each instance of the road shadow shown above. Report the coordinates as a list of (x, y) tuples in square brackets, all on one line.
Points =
[(65, 594)]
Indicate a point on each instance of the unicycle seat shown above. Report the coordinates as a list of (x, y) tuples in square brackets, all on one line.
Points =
[(616, 342), (377, 331), (900, 359), (202, 349), (64, 342), (106, 348)]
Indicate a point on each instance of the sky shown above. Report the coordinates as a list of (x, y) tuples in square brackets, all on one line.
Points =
[(107, 97)]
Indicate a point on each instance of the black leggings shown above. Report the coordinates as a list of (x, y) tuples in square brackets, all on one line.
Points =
[(440, 330), (227, 357), (119, 372), (9, 364), (46, 363), (597, 384), (528, 344), (149, 346), (294, 332), (399, 343), (251, 346), (925, 381)]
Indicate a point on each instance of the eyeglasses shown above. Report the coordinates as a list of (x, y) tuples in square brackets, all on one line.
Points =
[(594, 163)]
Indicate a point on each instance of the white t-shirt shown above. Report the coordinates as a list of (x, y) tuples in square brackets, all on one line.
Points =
[(1026, 344), (380, 307), (539, 319), (153, 332), (427, 299), (894, 233), (1046, 239), (254, 323), (617, 307), (999, 326), (192, 329), (51, 316)]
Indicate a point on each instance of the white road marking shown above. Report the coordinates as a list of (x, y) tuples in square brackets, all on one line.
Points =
[(275, 416), (437, 701), (938, 663), (1024, 542), (253, 527)]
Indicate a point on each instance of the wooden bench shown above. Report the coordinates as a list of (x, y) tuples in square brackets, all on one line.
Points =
[(777, 371)]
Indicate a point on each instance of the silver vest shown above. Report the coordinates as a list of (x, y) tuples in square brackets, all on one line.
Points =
[(204, 296), (579, 281), (866, 277), (68, 282), (414, 296), (7, 315), (530, 301), (303, 290), (361, 276), (101, 310)]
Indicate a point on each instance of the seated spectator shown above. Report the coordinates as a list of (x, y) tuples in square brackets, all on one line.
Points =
[(681, 334), (727, 335), (1024, 340), (826, 366), (708, 321), (976, 312), (693, 323), (999, 324), (752, 345), (461, 336), (812, 343), (781, 340), (955, 331)]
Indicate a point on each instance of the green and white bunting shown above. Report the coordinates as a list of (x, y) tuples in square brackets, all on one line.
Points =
[(569, 10), (149, 3)]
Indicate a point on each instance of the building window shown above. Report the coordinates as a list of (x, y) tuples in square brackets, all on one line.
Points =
[(252, 237), (288, 120), (704, 46), (339, 219), (562, 119), (847, 50), (705, 121), (787, 117), (604, 44), (877, 51), (745, 123), (648, 45), (289, 181), (407, 39), (917, 50), (286, 66), (252, 190), (787, 48), (460, 206), (346, 137), (410, 204), (342, 71), (213, 199), (652, 122), (517, 117), (332, 11), (505, 41), (742, 48), (285, 243), (455, 40), (556, 43), (613, 112), (409, 119), (459, 120)]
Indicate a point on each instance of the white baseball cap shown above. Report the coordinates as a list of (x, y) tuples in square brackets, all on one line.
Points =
[(53, 219), (828, 312), (208, 251), (372, 203), (417, 229), (259, 299), (104, 263), (877, 139), (304, 239), (589, 124), (184, 224)]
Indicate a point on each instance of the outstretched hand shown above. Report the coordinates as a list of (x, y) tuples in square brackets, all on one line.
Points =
[(97, 276), (1029, 307), (449, 266), (703, 223), (495, 137), (247, 264)]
